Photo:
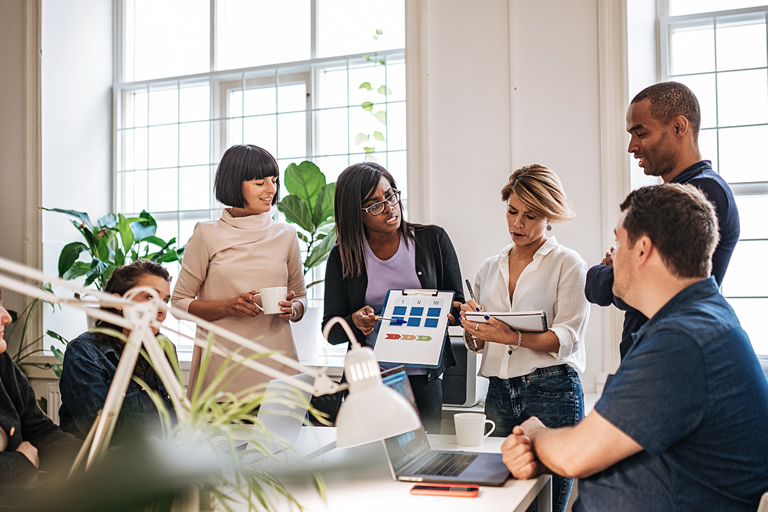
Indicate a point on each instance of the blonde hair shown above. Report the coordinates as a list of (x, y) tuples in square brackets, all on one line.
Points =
[(540, 190)]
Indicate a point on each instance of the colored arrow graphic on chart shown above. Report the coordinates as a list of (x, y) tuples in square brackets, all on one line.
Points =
[(408, 337)]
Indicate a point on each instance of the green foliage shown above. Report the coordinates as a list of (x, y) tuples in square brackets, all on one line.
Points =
[(28, 347), (309, 205), (114, 241), (380, 115), (216, 422)]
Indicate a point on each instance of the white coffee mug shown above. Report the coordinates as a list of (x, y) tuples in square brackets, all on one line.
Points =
[(270, 298), (470, 427)]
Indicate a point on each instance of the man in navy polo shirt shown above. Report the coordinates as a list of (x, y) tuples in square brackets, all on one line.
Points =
[(663, 122), (682, 425)]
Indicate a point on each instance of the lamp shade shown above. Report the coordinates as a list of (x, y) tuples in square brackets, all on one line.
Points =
[(371, 411)]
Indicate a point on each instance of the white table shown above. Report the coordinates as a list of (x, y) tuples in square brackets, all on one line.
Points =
[(359, 479)]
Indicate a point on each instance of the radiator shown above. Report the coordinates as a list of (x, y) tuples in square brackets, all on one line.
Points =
[(54, 402)]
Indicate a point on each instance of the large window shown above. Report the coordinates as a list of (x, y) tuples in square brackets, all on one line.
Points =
[(718, 49), (320, 80)]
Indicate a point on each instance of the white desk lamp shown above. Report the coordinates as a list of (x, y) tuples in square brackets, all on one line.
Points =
[(370, 413)]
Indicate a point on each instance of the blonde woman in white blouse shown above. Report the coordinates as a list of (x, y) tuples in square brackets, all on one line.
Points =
[(227, 261), (532, 374)]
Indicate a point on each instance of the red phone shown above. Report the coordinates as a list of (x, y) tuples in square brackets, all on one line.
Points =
[(463, 491)]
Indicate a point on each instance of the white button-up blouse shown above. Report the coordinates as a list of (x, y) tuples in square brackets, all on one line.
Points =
[(552, 282)]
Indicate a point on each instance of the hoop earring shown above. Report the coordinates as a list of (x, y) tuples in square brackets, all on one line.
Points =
[(549, 227)]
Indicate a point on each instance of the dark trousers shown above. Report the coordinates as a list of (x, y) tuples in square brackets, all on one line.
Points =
[(429, 401)]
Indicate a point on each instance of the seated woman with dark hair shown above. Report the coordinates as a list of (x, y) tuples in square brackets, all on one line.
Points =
[(28, 438), (91, 359)]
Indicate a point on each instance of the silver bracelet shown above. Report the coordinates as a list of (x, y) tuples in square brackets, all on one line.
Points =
[(512, 349)]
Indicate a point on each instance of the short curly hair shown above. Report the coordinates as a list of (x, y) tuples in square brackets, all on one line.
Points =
[(672, 99)]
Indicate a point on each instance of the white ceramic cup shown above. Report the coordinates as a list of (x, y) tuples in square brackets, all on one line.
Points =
[(470, 427), (270, 298)]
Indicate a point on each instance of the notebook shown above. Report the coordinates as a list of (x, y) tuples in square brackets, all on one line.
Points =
[(412, 460)]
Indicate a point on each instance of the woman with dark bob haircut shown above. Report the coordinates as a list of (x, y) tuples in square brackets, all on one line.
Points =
[(376, 251), (532, 373), (227, 262), (91, 360)]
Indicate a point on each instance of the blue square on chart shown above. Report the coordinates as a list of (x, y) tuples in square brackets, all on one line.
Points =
[(430, 322), (414, 322), (399, 311), (395, 322), (417, 311), (433, 312)]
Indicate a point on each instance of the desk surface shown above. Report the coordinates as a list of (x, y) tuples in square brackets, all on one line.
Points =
[(359, 479)]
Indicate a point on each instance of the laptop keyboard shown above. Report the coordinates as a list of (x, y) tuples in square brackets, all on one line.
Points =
[(447, 464)]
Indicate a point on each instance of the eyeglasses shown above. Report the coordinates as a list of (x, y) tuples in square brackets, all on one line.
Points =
[(378, 208)]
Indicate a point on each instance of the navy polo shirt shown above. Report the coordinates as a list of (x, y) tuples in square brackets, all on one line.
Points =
[(600, 277), (692, 393)]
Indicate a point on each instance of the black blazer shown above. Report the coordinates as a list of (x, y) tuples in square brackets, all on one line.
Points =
[(436, 265)]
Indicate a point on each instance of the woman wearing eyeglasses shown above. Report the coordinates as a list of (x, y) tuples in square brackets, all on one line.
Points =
[(377, 251)]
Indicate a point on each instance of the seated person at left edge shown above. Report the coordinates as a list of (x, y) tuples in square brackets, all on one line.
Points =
[(28, 438), (376, 251)]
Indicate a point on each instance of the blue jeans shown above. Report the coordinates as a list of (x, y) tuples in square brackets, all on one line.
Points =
[(553, 395)]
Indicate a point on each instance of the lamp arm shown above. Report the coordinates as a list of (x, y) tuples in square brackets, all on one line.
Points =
[(323, 384), (339, 320)]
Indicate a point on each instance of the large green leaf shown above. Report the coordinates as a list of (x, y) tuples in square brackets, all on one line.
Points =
[(69, 255), (296, 210), (78, 268), (324, 204), (80, 216), (366, 86), (145, 226), (126, 233), (100, 272), (305, 181), (320, 253), (119, 257), (109, 220), (103, 251)]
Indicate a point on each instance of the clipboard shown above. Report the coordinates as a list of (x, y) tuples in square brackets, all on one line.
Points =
[(525, 321), (418, 342)]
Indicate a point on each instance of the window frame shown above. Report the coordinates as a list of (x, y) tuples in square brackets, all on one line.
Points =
[(221, 83), (666, 23)]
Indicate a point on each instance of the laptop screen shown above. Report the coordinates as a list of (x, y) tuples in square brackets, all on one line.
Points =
[(405, 448)]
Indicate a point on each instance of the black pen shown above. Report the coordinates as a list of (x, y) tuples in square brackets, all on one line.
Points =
[(469, 287)]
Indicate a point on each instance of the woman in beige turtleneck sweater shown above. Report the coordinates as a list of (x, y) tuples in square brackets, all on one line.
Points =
[(227, 261)]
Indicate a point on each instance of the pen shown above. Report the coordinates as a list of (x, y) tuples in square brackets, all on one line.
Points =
[(469, 287), (398, 320)]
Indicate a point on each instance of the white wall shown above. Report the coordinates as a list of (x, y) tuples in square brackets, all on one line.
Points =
[(76, 128), (480, 128)]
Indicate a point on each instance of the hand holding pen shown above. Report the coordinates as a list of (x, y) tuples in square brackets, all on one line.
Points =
[(365, 320)]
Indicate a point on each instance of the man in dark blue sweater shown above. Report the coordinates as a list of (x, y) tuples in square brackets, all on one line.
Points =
[(663, 122)]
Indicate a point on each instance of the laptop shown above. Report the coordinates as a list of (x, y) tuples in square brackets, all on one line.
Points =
[(282, 413), (412, 460)]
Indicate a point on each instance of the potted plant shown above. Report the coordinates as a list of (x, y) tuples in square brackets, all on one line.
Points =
[(114, 241), (309, 205)]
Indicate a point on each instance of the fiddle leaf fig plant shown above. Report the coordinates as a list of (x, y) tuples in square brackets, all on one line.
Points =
[(309, 205), (114, 241)]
